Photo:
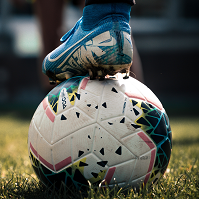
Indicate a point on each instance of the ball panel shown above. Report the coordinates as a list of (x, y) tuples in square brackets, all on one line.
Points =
[(82, 142), (44, 150), (46, 126), (61, 153), (40, 158), (109, 106), (130, 89), (136, 144), (123, 172), (118, 127), (88, 103), (143, 165), (92, 86), (68, 122), (109, 149)]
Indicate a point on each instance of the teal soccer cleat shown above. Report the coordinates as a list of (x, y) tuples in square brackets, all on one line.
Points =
[(104, 50)]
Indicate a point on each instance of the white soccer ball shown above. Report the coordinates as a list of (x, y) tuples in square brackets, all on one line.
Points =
[(115, 131)]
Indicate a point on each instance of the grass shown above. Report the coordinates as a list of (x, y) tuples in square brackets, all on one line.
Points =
[(17, 179)]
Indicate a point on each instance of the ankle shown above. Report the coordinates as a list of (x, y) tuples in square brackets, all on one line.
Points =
[(94, 13)]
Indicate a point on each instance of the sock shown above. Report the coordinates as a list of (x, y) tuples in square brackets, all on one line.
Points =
[(94, 13)]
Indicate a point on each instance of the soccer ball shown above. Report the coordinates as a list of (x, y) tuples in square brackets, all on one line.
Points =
[(110, 132)]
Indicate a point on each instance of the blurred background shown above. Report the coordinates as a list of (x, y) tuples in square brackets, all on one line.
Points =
[(166, 34)]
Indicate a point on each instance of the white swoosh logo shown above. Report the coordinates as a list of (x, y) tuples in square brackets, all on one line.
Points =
[(55, 59)]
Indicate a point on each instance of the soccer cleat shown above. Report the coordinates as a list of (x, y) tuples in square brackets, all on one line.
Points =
[(105, 50)]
